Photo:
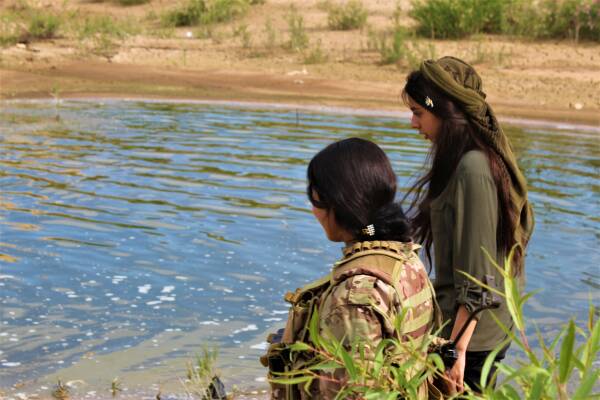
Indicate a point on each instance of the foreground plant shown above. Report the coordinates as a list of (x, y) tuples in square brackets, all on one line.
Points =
[(562, 368)]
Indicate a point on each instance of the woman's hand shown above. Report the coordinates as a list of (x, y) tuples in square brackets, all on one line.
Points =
[(456, 374)]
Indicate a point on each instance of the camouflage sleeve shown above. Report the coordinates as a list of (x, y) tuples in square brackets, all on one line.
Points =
[(358, 310)]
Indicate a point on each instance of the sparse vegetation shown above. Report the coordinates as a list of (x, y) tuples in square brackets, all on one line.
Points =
[(201, 372), (394, 47), (115, 387), (315, 54), (23, 23), (244, 35), (61, 391), (270, 36), (43, 26), (197, 12), (298, 36), (347, 16)]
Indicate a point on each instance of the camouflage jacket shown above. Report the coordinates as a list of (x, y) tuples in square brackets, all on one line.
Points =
[(359, 301)]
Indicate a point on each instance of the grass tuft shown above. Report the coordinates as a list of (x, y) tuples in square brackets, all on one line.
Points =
[(43, 26), (347, 16), (298, 36)]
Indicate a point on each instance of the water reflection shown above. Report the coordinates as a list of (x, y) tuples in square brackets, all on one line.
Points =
[(132, 232)]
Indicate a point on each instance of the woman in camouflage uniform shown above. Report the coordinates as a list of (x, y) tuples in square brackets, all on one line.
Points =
[(352, 188), (473, 196)]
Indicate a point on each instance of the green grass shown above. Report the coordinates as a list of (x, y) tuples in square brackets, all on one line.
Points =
[(346, 16)]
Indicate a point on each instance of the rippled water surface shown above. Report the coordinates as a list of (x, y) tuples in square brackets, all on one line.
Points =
[(132, 233)]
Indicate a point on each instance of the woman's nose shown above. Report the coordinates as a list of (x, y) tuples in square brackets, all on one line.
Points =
[(414, 122)]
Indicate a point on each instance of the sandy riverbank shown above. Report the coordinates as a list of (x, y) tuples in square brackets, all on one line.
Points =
[(557, 81)]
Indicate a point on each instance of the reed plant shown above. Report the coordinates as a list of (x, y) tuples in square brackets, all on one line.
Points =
[(562, 367), (200, 373)]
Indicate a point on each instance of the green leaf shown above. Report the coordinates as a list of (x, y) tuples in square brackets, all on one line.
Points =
[(393, 396), (489, 361), (299, 346), (292, 381), (325, 366), (378, 359), (586, 385), (592, 345), (535, 393), (349, 364), (510, 392), (566, 352)]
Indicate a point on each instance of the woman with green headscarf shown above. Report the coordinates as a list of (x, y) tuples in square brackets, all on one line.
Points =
[(472, 197)]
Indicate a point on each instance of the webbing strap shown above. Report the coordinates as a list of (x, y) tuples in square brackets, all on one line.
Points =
[(418, 298), (416, 323), (400, 257), (396, 271)]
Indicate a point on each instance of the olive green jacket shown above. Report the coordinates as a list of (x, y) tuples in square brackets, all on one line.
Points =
[(464, 219)]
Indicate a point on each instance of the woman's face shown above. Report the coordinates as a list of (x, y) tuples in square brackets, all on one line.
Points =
[(424, 120), (326, 218)]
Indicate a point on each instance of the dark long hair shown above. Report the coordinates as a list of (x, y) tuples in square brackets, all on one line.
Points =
[(354, 179), (457, 136)]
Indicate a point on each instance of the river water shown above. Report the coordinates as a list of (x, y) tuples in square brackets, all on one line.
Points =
[(134, 233)]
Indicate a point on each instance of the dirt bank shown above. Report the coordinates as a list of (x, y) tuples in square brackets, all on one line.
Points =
[(557, 81)]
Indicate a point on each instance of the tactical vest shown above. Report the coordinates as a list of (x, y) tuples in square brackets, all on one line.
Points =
[(394, 263)]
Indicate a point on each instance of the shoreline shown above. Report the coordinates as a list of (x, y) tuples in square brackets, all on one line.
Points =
[(401, 112)]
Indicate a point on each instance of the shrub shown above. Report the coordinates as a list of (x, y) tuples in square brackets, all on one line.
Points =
[(351, 15), (43, 26), (224, 10), (446, 19), (188, 15), (197, 12), (298, 36), (575, 19), (393, 47), (560, 19), (9, 30)]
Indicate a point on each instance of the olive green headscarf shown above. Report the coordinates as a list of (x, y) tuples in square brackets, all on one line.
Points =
[(461, 83)]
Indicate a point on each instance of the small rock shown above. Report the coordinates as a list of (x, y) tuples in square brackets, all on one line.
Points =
[(296, 72), (299, 82), (21, 45), (578, 106)]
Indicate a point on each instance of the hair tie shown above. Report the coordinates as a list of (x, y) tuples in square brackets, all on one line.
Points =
[(369, 230)]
